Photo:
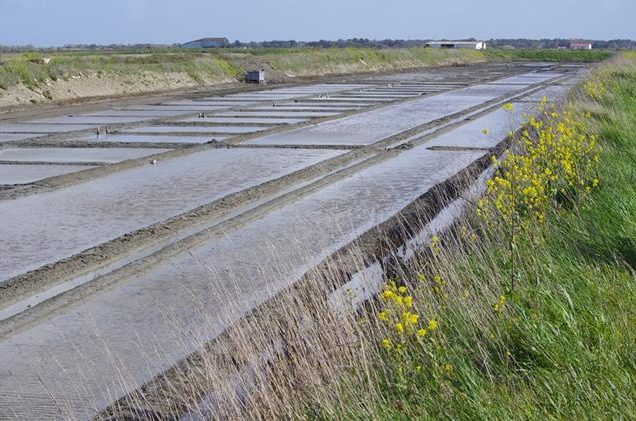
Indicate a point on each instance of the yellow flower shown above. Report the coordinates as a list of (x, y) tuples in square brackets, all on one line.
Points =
[(382, 316), (388, 294), (448, 368), (386, 344), (402, 289), (399, 327), (413, 318), (485, 131), (508, 107), (432, 325), (421, 332), (408, 301)]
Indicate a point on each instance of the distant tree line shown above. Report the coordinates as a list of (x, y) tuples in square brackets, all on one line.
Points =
[(353, 42)]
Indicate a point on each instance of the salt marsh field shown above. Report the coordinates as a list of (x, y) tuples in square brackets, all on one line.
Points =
[(121, 223)]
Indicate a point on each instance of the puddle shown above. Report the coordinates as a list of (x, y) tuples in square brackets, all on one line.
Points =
[(109, 155), (323, 108), (382, 95), (470, 135), (351, 99), (89, 120), (553, 93), (327, 102), (528, 78), (200, 105), (136, 113), (12, 137), (24, 174), (134, 138), (185, 109), (43, 228), (43, 128), (267, 113), (197, 129), (248, 120), (288, 93), (492, 90)]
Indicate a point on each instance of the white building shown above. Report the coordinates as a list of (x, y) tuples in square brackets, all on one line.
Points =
[(473, 45), (580, 45)]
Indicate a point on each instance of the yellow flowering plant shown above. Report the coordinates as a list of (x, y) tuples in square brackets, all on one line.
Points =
[(551, 160), (410, 342), (553, 157)]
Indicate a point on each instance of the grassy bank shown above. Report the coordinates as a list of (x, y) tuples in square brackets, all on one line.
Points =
[(206, 66), (531, 313), (550, 55)]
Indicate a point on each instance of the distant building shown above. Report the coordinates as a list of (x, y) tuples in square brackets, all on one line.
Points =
[(473, 45), (207, 43), (580, 46)]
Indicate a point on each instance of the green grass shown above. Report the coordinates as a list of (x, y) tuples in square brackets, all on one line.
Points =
[(550, 55), (213, 64), (564, 347), (200, 66)]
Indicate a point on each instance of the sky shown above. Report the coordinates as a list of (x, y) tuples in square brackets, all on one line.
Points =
[(46, 23)]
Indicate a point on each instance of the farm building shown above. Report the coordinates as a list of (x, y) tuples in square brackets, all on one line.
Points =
[(580, 46), (207, 43), (473, 45)]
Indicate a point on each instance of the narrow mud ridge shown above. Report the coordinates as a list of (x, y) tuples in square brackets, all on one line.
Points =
[(456, 148), (80, 163)]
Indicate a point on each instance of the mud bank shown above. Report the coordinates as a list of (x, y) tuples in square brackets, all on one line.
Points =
[(224, 68)]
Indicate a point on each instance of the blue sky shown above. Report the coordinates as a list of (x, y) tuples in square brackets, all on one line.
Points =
[(59, 22)]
